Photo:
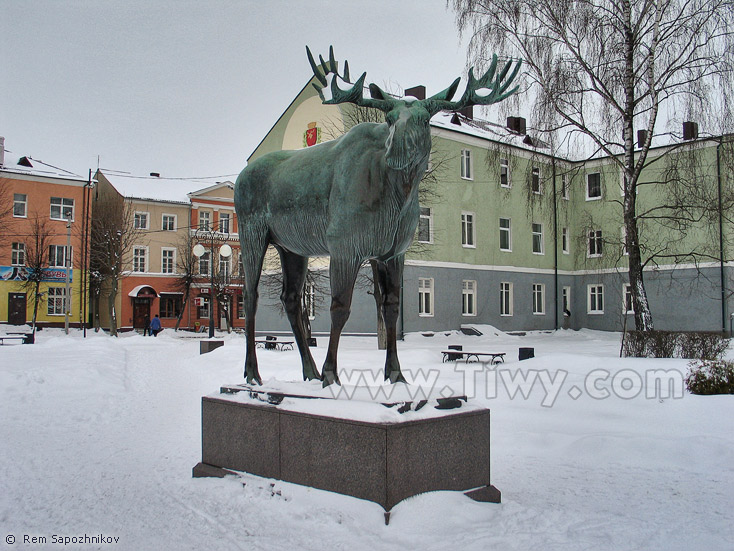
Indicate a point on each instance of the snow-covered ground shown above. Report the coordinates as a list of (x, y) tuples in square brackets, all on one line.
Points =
[(98, 436)]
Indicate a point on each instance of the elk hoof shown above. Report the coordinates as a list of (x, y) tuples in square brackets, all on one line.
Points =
[(395, 377), (329, 378), (310, 373), (253, 378)]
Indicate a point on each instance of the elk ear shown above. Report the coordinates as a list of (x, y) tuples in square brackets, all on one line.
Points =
[(376, 93)]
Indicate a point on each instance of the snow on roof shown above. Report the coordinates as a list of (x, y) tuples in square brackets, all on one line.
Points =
[(153, 188), (481, 129), (33, 167)]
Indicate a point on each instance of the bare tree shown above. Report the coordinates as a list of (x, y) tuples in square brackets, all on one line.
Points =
[(112, 237), (186, 269), (36, 262), (599, 69), (6, 210)]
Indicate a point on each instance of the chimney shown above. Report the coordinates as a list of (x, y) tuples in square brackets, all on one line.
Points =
[(468, 112), (641, 137), (418, 92), (690, 130), (2, 151), (516, 125)]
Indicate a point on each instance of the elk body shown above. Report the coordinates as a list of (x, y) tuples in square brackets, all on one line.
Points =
[(354, 198)]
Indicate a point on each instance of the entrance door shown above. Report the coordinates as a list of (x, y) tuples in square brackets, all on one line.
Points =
[(16, 308), (141, 310)]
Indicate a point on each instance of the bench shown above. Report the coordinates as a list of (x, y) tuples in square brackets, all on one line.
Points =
[(454, 355), (272, 343), (5, 338)]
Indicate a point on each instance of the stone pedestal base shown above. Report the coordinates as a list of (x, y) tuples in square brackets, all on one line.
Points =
[(384, 462), (207, 346)]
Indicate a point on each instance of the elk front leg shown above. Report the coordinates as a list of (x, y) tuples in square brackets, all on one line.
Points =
[(391, 276), (343, 274), (295, 268), (255, 235)]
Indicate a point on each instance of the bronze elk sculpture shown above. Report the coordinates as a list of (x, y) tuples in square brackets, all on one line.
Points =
[(353, 198)]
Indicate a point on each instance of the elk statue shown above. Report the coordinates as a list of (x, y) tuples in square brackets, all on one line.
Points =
[(353, 198)]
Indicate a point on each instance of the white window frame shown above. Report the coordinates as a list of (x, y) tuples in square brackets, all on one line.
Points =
[(565, 187), (505, 166), (61, 206), (141, 216), (506, 299), (56, 301), (565, 241), (425, 219), (136, 258), (68, 256), (469, 297), (467, 165), (508, 232), (425, 307), (539, 299), (205, 220), (589, 197), (535, 174), (625, 251), (309, 300), (206, 257), (174, 217), (23, 202), (17, 254), (468, 238), (566, 298), (595, 290), (228, 216), (541, 240), (241, 306), (627, 292), (173, 252), (225, 267), (202, 312), (595, 237)]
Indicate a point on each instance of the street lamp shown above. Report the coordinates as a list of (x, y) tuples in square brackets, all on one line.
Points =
[(199, 251)]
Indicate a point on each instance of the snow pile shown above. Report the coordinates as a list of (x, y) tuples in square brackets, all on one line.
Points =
[(99, 436)]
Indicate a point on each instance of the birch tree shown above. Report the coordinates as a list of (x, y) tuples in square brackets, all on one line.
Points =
[(601, 69)]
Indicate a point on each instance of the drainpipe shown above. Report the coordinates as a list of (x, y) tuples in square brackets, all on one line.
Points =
[(721, 238), (555, 246)]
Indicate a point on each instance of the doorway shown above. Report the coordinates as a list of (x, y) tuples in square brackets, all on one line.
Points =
[(16, 308), (141, 310)]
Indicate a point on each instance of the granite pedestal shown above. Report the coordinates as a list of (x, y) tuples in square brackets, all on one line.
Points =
[(207, 346), (384, 462)]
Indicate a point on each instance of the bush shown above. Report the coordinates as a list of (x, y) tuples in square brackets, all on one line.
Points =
[(710, 377), (675, 344)]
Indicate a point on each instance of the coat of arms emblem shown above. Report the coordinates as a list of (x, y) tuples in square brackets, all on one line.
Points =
[(312, 136)]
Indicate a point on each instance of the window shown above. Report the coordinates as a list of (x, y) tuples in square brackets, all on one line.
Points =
[(505, 234), (57, 256), (538, 298), (203, 309), (139, 259), (309, 300), (20, 205), (469, 298), (537, 238), (224, 222), (241, 307), (17, 255), (566, 299), (505, 298), (625, 251), (168, 261), (564, 241), (593, 186), (57, 301), (595, 244), (565, 191), (628, 305), (170, 305), (204, 220), (425, 226), (467, 229), (169, 222), (466, 164), (62, 209), (141, 221), (225, 268), (425, 296), (204, 263), (535, 181), (505, 179), (595, 299)]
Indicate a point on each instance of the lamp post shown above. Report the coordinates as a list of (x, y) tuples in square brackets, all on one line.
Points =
[(199, 251), (67, 262)]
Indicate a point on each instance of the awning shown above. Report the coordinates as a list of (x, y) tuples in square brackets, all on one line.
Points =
[(171, 293), (143, 291)]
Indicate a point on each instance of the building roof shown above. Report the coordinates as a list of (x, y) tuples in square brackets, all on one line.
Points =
[(27, 166), (172, 190)]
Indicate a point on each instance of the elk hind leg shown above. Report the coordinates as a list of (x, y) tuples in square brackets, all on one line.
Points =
[(390, 275), (254, 238)]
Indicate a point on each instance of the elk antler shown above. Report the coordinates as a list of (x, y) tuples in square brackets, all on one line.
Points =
[(485, 90), (330, 92)]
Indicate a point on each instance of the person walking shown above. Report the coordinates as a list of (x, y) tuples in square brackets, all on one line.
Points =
[(155, 326), (146, 327)]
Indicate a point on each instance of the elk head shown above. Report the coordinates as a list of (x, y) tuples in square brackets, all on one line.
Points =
[(408, 120)]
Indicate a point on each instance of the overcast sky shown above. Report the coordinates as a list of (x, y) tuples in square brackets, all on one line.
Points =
[(189, 88)]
